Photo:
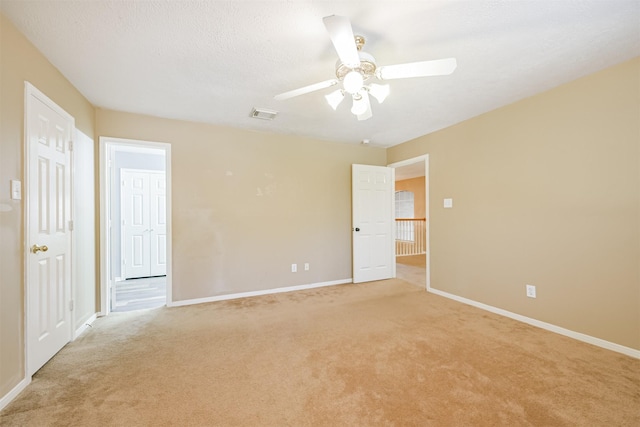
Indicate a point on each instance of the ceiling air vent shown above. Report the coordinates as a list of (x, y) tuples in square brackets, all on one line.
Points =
[(261, 113)]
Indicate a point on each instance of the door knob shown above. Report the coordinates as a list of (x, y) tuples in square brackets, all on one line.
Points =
[(35, 248), (357, 229)]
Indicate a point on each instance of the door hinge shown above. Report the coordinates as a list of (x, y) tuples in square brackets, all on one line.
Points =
[(70, 305), (70, 145), (70, 225)]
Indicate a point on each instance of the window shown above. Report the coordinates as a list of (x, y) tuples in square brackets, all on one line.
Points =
[(404, 204), (404, 209)]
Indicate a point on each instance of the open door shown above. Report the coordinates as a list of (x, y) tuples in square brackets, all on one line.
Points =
[(373, 223)]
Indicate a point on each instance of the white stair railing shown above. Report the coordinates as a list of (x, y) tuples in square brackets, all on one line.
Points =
[(411, 236)]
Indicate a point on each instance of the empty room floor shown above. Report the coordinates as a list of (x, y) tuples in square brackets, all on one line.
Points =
[(412, 269), (138, 294)]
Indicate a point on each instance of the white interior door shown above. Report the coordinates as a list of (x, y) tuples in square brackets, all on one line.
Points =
[(135, 224), (158, 223), (144, 224), (373, 223), (49, 131)]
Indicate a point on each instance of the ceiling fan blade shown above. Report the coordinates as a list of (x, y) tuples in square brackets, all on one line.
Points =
[(341, 33), (307, 89), (438, 67)]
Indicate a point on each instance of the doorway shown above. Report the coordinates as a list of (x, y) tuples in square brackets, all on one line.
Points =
[(412, 220), (135, 224)]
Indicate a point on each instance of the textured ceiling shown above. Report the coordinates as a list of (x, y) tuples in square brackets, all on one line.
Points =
[(213, 61)]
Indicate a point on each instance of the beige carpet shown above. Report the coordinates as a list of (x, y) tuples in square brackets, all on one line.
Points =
[(374, 354)]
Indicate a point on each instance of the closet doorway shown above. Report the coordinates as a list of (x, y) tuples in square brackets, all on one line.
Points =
[(135, 225)]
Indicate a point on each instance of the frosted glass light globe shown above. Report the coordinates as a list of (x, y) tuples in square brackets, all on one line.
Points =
[(353, 82), (359, 105)]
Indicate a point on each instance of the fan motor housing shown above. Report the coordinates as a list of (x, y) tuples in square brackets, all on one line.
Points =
[(367, 67)]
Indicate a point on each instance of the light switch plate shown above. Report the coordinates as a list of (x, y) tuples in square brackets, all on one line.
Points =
[(16, 189), (448, 203)]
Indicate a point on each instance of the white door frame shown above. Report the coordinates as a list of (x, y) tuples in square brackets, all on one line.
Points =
[(424, 158), (32, 91), (107, 146)]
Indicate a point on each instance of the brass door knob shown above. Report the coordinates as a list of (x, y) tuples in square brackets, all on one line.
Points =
[(35, 248)]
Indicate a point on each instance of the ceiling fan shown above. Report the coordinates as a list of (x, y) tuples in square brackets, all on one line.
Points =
[(356, 68)]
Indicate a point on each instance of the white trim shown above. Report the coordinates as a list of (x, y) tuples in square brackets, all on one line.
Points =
[(104, 202), (548, 326), (394, 273), (85, 326), (7, 398), (107, 146), (425, 158), (79, 136), (259, 293)]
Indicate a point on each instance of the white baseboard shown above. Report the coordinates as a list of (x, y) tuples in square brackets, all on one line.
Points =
[(85, 326), (548, 326), (258, 293), (7, 398)]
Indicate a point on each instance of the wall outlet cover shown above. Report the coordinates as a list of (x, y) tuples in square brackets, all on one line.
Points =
[(531, 291)]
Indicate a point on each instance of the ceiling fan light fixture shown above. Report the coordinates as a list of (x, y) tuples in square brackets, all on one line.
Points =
[(379, 92), (367, 113), (359, 105), (355, 67), (353, 82), (335, 98)]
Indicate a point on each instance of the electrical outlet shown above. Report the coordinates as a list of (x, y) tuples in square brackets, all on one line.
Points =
[(531, 291), (306, 266), (294, 268)]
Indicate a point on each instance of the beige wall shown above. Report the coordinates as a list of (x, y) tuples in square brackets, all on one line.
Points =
[(416, 186), (246, 205), (20, 61), (545, 192)]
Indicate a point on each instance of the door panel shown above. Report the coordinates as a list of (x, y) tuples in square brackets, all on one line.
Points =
[(135, 224), (373, 223), (158, 223), (48, 136)]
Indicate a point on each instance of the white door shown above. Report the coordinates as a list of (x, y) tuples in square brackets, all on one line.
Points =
[(135, 224), (49, 131), (143, 223), (158, 223), (373, 223)]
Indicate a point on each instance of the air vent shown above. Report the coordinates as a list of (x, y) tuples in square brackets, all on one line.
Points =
[(261, 113)]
